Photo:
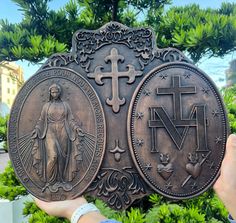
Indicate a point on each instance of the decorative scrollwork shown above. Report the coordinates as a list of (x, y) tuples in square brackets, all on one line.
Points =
[(141, 40), (117, 186), (170, 55), (85, 43), (60, 60)]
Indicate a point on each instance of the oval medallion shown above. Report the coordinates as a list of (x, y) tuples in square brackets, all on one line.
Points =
[(57, 134), (177, 130)]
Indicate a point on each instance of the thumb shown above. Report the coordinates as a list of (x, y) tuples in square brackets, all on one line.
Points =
[(231, 146)]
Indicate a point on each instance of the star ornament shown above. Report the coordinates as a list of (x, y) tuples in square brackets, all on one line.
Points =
[(148, 166), (205, 90), (163, 76), (140, 142), (215, 113), (147, 92), (218, 140), (139, 115), (168, 186), (187, 75), (194, 185)]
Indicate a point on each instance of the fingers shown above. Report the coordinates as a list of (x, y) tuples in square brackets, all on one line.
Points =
[(228, 164), (217, 186), (60, 208), (231, 144), (40, 204)]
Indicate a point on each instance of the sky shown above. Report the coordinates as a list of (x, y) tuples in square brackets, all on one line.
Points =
[(214, 67)]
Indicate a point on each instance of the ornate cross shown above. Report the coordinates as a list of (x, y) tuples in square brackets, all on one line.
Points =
[(115, 74)]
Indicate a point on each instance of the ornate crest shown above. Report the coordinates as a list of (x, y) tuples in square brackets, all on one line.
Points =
[(117, 118)]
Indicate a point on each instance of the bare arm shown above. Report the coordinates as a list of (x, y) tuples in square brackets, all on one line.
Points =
[(66, 208), (225, 186)]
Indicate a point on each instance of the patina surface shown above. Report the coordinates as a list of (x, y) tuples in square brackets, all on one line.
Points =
[(175, 137), (117, 118), (57, 134)]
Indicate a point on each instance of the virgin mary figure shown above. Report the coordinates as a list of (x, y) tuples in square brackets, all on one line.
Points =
[(57, 143)]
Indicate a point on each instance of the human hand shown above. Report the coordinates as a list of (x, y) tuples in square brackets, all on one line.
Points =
[(79, 131), (66, 208), (225, 186), (63, 209), (34, 134)]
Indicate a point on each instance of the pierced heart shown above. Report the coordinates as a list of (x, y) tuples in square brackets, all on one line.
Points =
[(193, 170), (165, 171)]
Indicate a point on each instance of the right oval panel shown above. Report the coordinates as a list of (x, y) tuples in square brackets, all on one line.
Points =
[(177, 130)]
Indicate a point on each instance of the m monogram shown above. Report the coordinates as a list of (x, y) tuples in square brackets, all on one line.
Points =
[(161, 119)]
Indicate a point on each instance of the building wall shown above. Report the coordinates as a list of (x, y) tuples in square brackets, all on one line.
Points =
[(11, 78), (231, 74)]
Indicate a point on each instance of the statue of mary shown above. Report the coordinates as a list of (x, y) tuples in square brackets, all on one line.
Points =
[(57, 141)]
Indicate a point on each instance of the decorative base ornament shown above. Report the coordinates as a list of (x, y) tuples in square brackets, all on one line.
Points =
[(118, 119)]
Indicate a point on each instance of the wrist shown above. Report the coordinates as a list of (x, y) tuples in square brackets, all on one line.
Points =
[(73, 206), (83, 212), (230, 203), (92, 217)]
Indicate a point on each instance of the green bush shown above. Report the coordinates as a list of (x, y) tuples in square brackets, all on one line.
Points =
[(206, 208), (169, 213), (229, 96), (3, 131), (38, 216), (10, 186)]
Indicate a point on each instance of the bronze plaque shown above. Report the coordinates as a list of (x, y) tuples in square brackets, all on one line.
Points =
[(68, 131), (57, 134), (175, 137)]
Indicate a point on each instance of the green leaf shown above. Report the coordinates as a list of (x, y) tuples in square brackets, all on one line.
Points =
[(35, 40), (17, 51), (60, 47)]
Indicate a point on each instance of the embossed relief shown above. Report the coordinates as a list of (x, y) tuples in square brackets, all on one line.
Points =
[(60, 147), (115, 74), (165, 134), (161, 119), (85, 43), (139, 40), (165, 169), (178, 132), (117, 151), (55, 135), (118, 186)]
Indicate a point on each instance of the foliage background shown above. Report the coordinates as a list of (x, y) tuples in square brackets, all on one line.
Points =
[(42, 32), (199, 32)]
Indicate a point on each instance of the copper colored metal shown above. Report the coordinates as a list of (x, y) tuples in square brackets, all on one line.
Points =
[(57, 134), (117, 118), (177, 131)]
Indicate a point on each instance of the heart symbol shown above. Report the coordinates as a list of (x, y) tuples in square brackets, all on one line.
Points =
[(193, 170), (165, 171)]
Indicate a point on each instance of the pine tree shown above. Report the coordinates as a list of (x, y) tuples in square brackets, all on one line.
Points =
[(43, 31)]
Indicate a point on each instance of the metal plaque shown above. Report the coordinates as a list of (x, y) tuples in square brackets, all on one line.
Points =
[(175, 137), (57, 134), (118, 119)]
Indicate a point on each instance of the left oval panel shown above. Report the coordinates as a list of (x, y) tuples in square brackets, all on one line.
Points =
[(57, 134)]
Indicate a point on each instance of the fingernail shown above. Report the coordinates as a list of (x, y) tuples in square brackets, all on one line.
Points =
[(232, 137)]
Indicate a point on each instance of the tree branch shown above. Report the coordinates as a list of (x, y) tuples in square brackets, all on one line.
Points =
[(114, 9)]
